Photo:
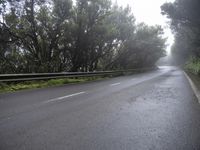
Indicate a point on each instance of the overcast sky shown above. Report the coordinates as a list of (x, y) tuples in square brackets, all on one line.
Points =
[(148, 11)]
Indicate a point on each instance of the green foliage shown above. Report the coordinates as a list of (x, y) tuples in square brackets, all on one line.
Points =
[(143, 48), (185, 23), (57, 35), (193, 65), (41, 84)]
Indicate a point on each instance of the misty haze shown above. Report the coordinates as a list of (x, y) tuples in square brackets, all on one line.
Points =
[(99, 75)]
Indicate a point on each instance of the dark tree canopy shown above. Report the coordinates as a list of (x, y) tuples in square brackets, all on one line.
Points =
[(88, 35), (185, 22)]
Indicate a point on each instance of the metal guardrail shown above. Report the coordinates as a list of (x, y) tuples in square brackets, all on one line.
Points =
[(46, 76)]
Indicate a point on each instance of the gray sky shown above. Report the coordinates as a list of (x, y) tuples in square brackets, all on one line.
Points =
[(148, 11)]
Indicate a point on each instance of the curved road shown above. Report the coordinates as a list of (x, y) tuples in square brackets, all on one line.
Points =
[(149, 111)]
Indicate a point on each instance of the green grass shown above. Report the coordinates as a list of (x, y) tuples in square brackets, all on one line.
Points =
[(193, 65), (12, 87)]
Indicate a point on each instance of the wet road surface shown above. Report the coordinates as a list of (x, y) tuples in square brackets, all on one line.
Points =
[(149, 111)]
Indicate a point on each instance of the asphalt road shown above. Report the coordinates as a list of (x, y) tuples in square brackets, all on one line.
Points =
[(149, 111)]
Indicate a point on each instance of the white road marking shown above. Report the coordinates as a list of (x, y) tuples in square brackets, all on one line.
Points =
[(61, 98), (115, 84)]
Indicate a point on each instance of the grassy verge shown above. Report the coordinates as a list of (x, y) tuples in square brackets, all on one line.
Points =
[(17, 86), (192, 69), (193, 66)]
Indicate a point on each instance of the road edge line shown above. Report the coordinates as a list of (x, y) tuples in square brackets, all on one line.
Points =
[(194, 87)]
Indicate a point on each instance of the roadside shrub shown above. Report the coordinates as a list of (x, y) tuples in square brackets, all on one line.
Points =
[(193, 65)]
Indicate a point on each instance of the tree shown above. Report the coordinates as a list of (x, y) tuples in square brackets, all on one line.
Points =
[(185, 23), (39, 29), (121, 28), (143, 49), (89, 35)]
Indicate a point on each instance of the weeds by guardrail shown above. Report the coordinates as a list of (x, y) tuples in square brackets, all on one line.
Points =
[(46, 76)]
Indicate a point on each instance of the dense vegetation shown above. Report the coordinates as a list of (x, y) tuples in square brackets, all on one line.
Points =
[(17, 86), (66, 35), (185, 22)]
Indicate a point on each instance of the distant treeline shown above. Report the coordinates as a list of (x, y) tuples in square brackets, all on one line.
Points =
[(185, 23), (63, 35)]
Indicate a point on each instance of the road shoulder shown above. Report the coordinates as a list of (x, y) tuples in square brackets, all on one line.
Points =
[(195, 84)]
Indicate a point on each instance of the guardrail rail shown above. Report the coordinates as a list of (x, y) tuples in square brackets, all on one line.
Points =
[(46, 76)]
